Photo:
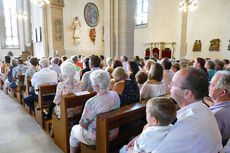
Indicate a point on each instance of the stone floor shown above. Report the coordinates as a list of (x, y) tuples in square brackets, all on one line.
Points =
[(19, 132)]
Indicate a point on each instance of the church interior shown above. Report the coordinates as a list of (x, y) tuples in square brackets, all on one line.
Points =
[(156, 31)]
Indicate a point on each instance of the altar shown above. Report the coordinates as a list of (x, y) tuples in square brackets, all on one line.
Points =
[(162, 49)]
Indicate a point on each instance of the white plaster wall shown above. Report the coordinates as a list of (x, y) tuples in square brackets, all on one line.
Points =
[(164, 24), (37, 21), (86, 47), (209, 21)]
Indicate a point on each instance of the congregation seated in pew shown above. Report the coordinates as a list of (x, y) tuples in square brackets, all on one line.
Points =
[(120, 87), (69, 85), (94, 64), (126, 88), (44, 76), (19, 69), (30, 71), (154, 86), (104, 101), (4, 71), (195, 120), (9, 79)]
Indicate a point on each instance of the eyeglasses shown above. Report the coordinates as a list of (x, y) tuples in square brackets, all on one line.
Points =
[(172, 85)]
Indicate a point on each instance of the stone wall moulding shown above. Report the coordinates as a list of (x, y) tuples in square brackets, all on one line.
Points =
[(58, 29), (214, 45), (57, 2)]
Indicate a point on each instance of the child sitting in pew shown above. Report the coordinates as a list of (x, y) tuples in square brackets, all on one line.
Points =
[(160, 112)]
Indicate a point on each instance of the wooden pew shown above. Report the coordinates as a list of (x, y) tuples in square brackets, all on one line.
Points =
[(43, 90), (117, 118), (28, 85), (110, 120), (208, 101), (61, 126), (27, 93), (21, 88)]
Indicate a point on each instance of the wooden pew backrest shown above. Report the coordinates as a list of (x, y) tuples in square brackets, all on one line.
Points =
[(21, 88), (44, 89), (61, 126)]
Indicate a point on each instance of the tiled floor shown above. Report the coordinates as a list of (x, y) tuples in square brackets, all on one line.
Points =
[(19, 132)]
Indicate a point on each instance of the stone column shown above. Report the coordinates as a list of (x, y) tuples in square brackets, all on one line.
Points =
[(183, 44), (54, 28), (126, 23), (108, 28), (119, 27), (27, 22)]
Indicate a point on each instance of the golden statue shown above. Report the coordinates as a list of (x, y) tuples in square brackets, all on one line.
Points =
[(197, 45), (92, 34), (214, 44)]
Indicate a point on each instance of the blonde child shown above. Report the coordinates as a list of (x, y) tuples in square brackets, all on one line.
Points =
[(160, 112)]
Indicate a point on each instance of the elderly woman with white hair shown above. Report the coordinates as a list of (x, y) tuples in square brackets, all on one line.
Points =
[(104, 101), (69, 85)]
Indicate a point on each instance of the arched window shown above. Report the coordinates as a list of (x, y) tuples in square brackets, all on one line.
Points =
[(141, 12), (10, 24)]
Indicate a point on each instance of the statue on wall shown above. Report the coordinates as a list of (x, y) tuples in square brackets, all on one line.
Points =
[(197, 45), (76, 31), (214, 45), (229, 45), (92, 34), (58, 29)]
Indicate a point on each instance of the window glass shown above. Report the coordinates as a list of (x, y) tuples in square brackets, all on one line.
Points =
[(141, 12), (11, 27)]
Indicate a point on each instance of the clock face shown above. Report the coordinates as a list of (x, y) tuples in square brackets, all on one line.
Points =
[(91, 14)]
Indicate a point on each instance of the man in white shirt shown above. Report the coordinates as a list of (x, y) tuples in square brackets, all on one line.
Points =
[(196, 130), (44, 76), (124, 60)]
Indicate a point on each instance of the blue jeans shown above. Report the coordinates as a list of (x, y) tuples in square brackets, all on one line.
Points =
[(29, 101)]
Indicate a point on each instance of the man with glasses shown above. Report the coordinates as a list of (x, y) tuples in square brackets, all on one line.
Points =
[(219, 91), (196, 130)]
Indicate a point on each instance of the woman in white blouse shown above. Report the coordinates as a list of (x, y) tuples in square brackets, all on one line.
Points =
[(154, 87)]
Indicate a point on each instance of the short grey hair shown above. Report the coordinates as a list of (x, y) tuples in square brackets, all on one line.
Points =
[(74, 58), (44, 63), (14, 62), (120, 74), (68, 69), (55, 60), (100, 78), (224, 81)]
